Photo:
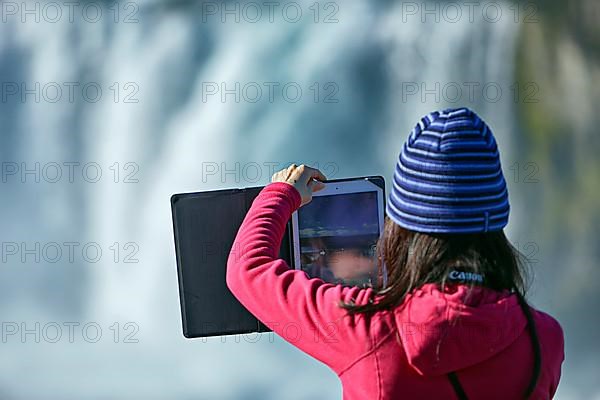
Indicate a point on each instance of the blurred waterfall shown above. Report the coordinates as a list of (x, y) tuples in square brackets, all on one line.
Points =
[(169, 136)]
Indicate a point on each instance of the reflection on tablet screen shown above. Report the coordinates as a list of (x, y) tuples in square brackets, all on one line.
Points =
[(338, 236)]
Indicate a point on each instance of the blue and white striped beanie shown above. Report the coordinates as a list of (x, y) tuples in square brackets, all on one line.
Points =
[(448, 178)]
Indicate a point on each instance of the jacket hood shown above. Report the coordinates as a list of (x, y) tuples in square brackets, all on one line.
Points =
[(444, 331)]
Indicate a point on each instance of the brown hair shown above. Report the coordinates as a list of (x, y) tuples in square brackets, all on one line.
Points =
[(413, 259)]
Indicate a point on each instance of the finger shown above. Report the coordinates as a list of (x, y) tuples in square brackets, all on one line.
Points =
[(276, 176), (290, 171), (315, 186), (281, 175), (318, 175), (310, 173), (297, 174)]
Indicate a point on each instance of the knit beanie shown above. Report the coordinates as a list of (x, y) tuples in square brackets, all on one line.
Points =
[(448, 177)]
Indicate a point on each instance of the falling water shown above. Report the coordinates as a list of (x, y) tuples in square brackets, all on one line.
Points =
[(170, 136)]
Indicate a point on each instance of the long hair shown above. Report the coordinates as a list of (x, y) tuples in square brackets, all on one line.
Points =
[(413, 259)]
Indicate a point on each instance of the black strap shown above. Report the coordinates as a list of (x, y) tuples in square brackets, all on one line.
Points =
[(537, 352), (458, 389)]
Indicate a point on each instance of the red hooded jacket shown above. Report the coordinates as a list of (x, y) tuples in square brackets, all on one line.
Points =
[(404, 353)]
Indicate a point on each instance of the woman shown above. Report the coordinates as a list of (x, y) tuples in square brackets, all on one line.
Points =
[(452, 321)]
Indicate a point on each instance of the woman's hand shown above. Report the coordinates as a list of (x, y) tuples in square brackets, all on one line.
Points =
[(305, 179)]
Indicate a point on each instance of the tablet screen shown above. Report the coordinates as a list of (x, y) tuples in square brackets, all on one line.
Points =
[(338, 236)]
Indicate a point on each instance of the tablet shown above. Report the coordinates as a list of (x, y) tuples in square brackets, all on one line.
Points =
[(205, 225), (335, 235)]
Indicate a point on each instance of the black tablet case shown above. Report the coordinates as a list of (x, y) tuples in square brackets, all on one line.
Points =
[(205, 225)]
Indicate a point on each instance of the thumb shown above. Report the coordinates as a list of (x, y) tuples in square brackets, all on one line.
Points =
[(315, 185)]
